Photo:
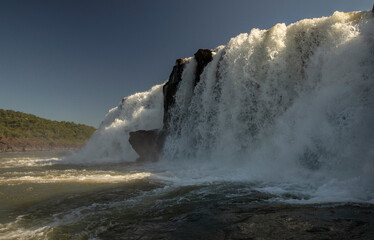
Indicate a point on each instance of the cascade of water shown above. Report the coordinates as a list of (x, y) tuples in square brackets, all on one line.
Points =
[(258, 79), (292, 103), (281, 104), (141, 111)]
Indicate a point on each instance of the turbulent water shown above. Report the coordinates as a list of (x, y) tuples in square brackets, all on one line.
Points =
[(280, 119)]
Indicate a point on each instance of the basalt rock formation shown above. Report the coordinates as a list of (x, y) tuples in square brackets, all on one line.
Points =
[(202, 57), (148, 144), (170, 88)]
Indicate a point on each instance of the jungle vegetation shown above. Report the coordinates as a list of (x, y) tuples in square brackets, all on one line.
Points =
[(21, 125)]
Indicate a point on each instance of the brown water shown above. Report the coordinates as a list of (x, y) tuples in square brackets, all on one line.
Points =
[(42, 198)]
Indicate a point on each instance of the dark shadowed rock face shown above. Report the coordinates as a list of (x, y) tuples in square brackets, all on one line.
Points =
[(170, 88), (202, 57), (148, 144)]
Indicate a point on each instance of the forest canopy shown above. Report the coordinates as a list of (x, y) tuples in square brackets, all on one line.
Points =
[(27, 126)]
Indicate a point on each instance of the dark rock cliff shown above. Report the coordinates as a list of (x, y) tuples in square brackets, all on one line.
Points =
[(170, 88), (149, 144), (202, 57)]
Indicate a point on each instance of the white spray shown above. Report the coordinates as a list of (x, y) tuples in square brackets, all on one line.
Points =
[(141, 111), (292, 104)]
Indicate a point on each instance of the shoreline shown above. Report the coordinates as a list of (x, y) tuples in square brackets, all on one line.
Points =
[(32, 145)]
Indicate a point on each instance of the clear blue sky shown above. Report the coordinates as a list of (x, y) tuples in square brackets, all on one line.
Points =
[(74, 60)]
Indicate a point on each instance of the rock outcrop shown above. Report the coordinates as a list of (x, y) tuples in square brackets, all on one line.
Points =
[(202, 57), (149, 144), (170, 88)]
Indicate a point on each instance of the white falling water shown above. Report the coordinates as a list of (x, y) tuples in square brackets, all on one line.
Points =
[(292, 104), (141, 111)]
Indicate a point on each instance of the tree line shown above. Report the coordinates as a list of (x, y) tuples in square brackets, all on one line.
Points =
[(20, 125)]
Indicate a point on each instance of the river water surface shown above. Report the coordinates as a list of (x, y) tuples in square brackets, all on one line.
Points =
[(41, 197)]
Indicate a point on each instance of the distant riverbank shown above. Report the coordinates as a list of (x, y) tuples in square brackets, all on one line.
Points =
[(28, 145), (22, 132)]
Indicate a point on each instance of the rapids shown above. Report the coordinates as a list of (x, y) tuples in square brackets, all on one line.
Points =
[(288, 105), (276, 134)]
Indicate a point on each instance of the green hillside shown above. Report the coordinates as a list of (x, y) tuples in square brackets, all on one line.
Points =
[(27, 126)]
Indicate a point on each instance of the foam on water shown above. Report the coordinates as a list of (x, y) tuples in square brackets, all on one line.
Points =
[(284, 114), (27, 162), (72, 176), (288, 106)]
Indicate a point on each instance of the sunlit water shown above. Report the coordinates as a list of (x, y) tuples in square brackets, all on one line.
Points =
[(276, 139), (41, 197)]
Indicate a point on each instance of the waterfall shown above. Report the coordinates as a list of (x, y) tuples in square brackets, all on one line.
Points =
[(301, 92), (291, 104), (141, 111)]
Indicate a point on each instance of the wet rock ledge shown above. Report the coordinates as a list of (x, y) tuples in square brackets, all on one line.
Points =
[(149, 144)]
